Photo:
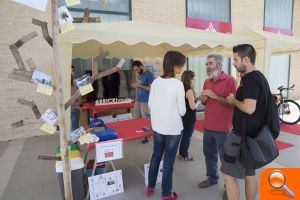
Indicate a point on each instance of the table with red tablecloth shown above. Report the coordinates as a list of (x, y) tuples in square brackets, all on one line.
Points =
[(128, 130), (90, 106)]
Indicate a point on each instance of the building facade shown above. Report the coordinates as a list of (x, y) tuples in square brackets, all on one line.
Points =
[(230, 16)]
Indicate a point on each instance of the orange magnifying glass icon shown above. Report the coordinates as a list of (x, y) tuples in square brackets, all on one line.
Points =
[(277, 180)]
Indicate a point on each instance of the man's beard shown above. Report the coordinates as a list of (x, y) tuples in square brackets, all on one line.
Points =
[(212, 74), (241, 69)]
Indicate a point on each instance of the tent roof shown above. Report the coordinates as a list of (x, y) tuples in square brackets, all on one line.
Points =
[(144, 39), (279, 44)]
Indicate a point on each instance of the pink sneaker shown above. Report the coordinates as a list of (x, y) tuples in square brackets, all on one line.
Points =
[(149, 192), (171, 197)]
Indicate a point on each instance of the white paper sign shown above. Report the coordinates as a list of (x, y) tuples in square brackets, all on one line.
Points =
[(159, 175), (105, 185), (50, 116), (109, 150), (37, 4), (125, 116), (121, 63)]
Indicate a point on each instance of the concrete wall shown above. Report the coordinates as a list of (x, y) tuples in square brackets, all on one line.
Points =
[(15, 22)]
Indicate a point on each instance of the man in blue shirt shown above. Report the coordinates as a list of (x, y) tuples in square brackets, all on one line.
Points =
[(142, 86)]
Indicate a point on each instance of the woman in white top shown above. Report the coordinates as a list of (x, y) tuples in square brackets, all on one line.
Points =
[(167, 105)]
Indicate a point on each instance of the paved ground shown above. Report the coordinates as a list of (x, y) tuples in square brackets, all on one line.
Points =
[(23, 177)]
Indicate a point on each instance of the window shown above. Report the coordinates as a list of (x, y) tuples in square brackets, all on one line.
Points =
[(108, 11), (217, 10), (212, 15), (279, 16), (279, 72)]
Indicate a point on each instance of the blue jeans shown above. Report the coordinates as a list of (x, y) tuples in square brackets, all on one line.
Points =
[(167, 145), (75, 115), (213, 144), (186, 140)]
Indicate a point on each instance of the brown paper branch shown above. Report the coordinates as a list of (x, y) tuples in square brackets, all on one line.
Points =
[(32, 105), (14, 49), (86, 18), (45, 30), (32, 65), (17, 124), (20, 75), (48, 157)]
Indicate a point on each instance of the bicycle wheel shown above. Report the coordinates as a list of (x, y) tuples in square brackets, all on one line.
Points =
[(289, 112)]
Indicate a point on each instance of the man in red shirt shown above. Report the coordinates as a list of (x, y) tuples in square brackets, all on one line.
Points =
[(217, 115)]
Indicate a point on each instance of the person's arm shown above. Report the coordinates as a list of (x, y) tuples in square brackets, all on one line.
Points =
[(247, 105), (181, 100), (191, 99), (212, 95), (250, 91)]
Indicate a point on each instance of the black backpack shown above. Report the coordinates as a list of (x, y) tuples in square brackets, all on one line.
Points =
[(271, 114)]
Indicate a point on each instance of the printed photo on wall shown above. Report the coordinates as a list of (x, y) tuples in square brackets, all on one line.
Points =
[(40, 77), (64, 16), (84, 80)]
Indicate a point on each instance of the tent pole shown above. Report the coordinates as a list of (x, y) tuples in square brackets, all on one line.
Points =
[(60, 104)]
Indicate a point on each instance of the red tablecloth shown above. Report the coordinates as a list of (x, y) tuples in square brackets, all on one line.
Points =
[(127, 130), (96, 109)]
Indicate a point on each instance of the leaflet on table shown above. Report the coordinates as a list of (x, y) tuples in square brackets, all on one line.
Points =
[(109, 150), (105, 185), (39, 5)]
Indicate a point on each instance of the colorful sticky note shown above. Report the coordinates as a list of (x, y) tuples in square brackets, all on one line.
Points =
[(44, 89), (85, 139), (48, 128), (86, 89), (72, 2), (66, 27)]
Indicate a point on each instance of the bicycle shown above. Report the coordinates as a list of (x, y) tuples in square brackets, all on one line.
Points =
[(288, 110)]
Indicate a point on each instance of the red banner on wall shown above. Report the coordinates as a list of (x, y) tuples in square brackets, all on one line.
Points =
[(209, 25), (278, 30)]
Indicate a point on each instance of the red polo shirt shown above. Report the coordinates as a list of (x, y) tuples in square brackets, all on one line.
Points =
[(217, 116)]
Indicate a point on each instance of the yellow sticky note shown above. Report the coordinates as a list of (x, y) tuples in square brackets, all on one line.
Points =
[(48, 128), (85, 139), (44, 89), (86, 89), (66, 27), (72, 2)]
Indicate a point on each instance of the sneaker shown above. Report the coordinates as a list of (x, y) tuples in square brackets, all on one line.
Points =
[(206, 183), (149, 192), (171, 197), (145, 141)]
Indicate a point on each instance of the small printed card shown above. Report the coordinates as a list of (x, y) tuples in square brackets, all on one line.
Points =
[(86, 89), (66, 27), (72, 2), (76, 134), (65, 19), (85, 139), (44, 89), (48, 128), (50, 117)]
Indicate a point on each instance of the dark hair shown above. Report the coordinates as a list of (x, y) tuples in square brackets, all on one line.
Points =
[(137, 63), (172, 59), (245, 50), (186, 79)]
